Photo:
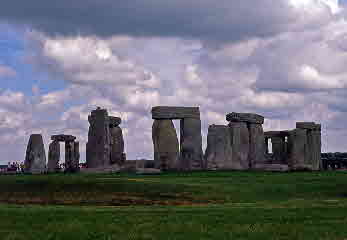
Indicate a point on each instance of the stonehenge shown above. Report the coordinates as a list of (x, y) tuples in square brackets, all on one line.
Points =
[(72, 155), (105, 146), (190, 155), (241, 144), (35, 158)]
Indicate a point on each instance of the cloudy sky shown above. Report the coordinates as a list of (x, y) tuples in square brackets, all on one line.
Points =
[(284, 59)]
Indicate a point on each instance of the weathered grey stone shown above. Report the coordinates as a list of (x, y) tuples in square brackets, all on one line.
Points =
[(166, 147), (245, 117), (63, 138), (278, 149), (98, 147), (240, 145), (297, 144), (280, 134), (256, 144), (219, 152), (164, 112), (308, 125), (271, 167), (191, 156), (117, 145), (115, 121), (35, 159), (69, 157), (148, 171), (76, 160), (313, 150), (53, 156)]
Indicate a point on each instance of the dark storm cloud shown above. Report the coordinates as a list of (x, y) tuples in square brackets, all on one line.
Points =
[(217, 20)]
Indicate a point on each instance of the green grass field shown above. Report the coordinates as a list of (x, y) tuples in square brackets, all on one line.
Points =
[(201, 205)]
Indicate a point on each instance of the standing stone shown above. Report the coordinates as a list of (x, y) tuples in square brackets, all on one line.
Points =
[(314, 139), (98, 146), (191, 156), (278, 150), (116, 141), (240, 145), (166, 147), (35, 159), (76, 162), (297, 144), (219, 152), (69, 157), (54, 156), (256, 144)]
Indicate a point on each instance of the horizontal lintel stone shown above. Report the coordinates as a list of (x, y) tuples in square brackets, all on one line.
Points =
[(165, 112), (245, 117), (308, 125), (271, 134), (63, 138)]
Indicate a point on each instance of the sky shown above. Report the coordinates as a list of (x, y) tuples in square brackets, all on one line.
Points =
[(283, 59)]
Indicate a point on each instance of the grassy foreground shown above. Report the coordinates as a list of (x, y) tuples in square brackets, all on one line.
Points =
[(212, 205)]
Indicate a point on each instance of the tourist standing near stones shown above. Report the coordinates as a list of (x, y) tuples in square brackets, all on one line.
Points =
[(35, 158)]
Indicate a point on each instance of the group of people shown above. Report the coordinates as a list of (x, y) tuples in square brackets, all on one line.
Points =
[(15, 167)]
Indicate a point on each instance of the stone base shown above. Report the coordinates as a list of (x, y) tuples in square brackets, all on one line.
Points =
[(302, 167), (271, 167), (149, 171), (106, 169)]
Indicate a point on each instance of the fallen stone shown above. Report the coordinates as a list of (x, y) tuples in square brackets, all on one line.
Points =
[(35, 159), (245, 117), (164, 112)]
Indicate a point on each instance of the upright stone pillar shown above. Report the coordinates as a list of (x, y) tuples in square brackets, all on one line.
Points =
[(297, 144), (116, 141), (69, 157), (53, 156), (313, 147), (76, 162), (98, 146), (278, 149), (219, 152), (191, 144), (35, 159), (256, 144), (166, 147), (240, 145)]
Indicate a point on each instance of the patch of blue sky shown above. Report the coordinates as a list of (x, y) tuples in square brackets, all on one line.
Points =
[(13, 53)]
